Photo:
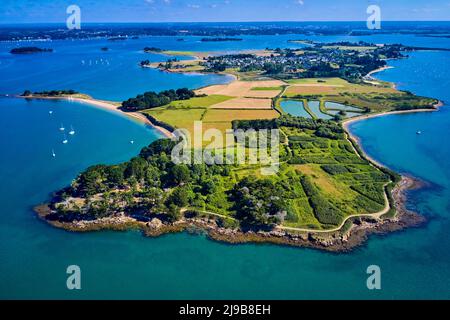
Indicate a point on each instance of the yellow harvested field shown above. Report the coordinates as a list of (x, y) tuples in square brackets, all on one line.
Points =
[(244, 103), (263, 93), (308, 89), (222, 126), (244, 89), (333, 87), (215, 115)]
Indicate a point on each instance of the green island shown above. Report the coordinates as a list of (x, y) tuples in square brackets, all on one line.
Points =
[(29, 50), (326, 194)]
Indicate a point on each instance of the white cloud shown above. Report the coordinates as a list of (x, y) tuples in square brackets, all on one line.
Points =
[(300, 2), (193, 6)]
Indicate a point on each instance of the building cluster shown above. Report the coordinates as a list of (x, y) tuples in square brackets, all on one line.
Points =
[(349, 63)]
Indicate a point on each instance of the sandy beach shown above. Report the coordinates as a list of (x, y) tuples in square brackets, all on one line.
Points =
[(369, 75), (110, 106)]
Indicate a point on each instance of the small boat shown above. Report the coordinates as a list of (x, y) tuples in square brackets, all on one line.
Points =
[(419, 132), (62, 128), (65, 141), (50, 112), (53, 153), (72, 132), (132, 141)]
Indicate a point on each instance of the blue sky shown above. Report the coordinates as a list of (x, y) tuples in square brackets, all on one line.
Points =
[(19, 11)]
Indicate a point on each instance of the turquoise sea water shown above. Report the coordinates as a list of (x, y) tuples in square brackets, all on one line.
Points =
[(34, 256)]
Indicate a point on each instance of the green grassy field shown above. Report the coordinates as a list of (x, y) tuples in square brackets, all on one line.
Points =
[(198, 102), (178, 118)]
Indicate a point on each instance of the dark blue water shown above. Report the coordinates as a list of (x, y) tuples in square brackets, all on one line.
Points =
[(34, 256)]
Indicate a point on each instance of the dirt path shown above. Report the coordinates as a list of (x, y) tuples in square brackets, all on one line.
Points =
[(376, 215)]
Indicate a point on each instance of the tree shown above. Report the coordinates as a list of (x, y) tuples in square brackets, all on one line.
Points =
[(173, 213), (272, 68), (181, 174), (152, 99), (136, 168), (208, 187), (158, 147), (90, 182), (115, 175), (180, 197), (152, 176), (185, 94)]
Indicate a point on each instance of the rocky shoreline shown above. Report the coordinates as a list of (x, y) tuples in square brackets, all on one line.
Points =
[(354, 235)]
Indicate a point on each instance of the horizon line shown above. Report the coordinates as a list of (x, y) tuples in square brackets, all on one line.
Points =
[(249, 21)]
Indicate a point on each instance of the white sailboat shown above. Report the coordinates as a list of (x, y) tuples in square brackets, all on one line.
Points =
[(65, 141), (50, 112), (72, 131), (53, 153), (62, 127), (132, 141)]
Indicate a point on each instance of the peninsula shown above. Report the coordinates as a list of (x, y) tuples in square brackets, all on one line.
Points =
[(327, 193)]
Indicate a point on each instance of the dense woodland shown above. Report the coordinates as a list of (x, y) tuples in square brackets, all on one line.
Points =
[(152, 99), (51, 93)]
